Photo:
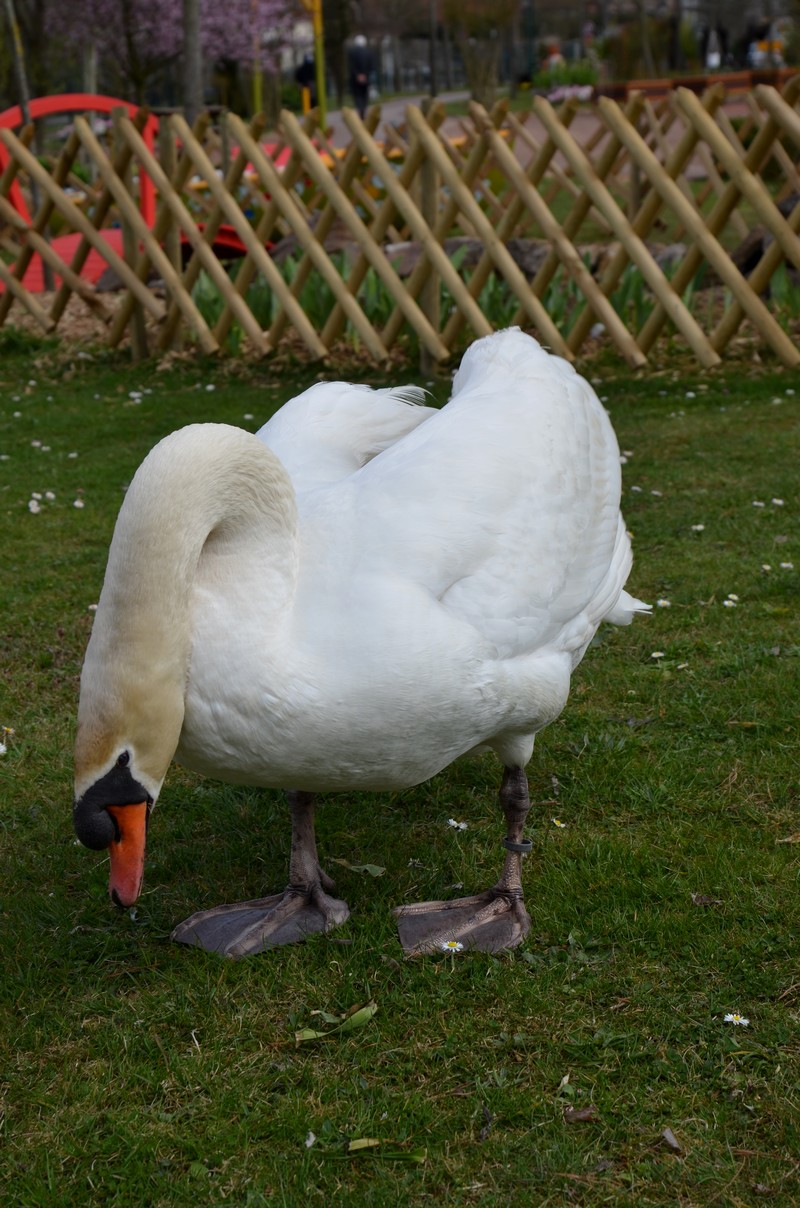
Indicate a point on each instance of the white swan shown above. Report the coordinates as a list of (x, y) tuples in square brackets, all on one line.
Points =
[(381, 590)]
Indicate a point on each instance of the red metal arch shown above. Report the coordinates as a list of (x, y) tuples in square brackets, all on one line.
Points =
[(80, 102)]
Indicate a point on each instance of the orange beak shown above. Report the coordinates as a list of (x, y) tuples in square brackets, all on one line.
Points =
[(127, 853)]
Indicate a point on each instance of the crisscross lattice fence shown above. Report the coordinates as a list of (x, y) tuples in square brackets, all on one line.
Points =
[(644, 223)]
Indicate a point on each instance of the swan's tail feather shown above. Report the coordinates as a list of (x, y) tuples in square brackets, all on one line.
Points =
[(626, 608)]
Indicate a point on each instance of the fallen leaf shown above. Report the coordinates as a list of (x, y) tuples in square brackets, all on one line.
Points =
[(705, 899), (374, 870), (375, 1145), (671, 1141), (356, 1017), (581, 1115), (363, 1143), (795, 838)]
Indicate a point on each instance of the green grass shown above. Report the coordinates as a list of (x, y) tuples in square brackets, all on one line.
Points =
[(138, 1072)]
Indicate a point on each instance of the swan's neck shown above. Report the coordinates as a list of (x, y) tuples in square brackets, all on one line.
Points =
[(208, 494)]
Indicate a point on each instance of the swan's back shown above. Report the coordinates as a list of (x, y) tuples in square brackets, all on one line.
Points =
[(505, 505), (332, 429)]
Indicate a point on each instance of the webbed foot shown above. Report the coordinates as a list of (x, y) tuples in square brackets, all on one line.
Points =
[(489, 922), (243, 928)]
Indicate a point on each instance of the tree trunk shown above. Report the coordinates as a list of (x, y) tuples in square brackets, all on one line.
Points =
[(192, 61)]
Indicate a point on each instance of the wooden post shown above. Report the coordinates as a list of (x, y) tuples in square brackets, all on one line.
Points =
[(716, 220), (347, 212), (633, 244), (716, 256), (444, 224), (337, 318), (99, 212), (77, 219), (417, 224), (138, 331), (497, 250), (168, 159), (430, 294)]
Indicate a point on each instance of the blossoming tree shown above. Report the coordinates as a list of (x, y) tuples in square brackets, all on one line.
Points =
[(135, 39)]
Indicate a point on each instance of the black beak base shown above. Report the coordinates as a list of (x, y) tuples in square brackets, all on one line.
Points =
[(94, 826)]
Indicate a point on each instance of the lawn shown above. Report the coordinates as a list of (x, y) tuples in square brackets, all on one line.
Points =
[(594, 1064)]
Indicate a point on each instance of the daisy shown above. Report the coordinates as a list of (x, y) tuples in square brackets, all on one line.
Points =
[(787, 565), (452, 946), (735, 1018), (5, 732), (698, 528), (457, 825), (658, 654), (729, 603), (663, 604), (557, 822)]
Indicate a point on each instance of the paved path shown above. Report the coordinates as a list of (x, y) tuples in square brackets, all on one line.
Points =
[(583, 125)]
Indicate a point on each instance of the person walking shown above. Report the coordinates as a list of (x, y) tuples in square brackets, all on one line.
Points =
[(360, 64)]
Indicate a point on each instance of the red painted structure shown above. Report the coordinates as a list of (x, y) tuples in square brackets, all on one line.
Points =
[(80, 102), (226, 242)]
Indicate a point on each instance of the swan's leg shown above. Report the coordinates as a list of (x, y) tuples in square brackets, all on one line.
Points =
[(304, 907), (490, 921)]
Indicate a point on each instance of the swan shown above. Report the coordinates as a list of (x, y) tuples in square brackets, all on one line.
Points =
[(351, 599)]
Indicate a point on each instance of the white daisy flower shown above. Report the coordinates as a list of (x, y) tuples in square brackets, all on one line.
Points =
[(663, 604), (778, 503), (698, 528), (735, 1018), (787, 565), (452, 946), (457, 825), (557, 822), (78, 503), (729, 603), (658, 654), (759, 503)]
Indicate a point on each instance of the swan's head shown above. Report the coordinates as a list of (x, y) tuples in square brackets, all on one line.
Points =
[(123, 749)]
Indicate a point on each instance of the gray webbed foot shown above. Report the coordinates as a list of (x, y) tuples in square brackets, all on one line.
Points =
[(244, 928), (489, 922)]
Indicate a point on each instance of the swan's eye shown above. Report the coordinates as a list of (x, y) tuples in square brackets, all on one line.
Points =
[(123, 760)]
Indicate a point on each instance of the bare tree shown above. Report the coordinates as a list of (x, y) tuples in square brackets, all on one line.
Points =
[(192, 60), (480, 29)]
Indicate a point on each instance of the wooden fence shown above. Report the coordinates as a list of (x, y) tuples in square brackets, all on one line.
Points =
[(632, 230)]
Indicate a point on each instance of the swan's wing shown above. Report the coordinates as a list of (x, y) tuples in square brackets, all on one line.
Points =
[(505, 505), (332, 429)]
